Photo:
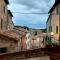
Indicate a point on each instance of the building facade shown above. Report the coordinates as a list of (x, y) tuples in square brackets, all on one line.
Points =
[(7, 44), (28, 40), (10, 24), (16, 35), (5, 16), (53, 23), (22, 32), (38, 40)]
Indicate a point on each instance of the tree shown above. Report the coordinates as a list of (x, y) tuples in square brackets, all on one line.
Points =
[(35, 33)]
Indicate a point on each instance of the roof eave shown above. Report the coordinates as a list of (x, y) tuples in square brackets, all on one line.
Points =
[(10, 13), (48, 19), (6, 1), (52, 8), (5, 36), (55, 4)]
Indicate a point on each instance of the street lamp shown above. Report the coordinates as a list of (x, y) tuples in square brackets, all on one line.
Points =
[(52, 34)]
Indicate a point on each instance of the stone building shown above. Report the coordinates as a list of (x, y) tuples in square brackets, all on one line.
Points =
[(3, 14), (28, 40), (38, 41), (10, 24), (10, 40), (23, 33), (7, 44), (53, 23), (17, 35), (25, 38)]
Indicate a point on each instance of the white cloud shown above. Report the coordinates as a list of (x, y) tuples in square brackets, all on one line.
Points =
[(30, 6)]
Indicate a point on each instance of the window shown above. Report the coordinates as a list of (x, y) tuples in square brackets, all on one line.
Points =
[(56, 29), (3, 50), (50, 28)]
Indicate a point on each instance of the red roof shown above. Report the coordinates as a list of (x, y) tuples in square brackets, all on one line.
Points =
[(15, 33)]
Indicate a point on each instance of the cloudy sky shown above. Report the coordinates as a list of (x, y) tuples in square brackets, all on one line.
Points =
[(31, 13)]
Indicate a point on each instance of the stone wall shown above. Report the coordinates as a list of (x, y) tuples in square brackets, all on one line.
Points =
[(25, 54), (9, 44), (3, 14)]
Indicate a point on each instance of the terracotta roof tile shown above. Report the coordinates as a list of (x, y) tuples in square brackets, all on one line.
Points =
[(22, 30), (12, 34), (15, 33)]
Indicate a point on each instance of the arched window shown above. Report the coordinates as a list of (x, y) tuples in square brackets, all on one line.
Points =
[(57, 29)]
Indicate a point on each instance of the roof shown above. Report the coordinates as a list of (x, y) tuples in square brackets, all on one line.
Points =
[(6, 1), (11, 34), (55, 4), (48, 19), (22, 29), (2, 36), (21, 32), (10, 13)]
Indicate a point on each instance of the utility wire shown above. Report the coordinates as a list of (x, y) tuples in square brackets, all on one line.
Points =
[(29, 13), (34, 13)]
